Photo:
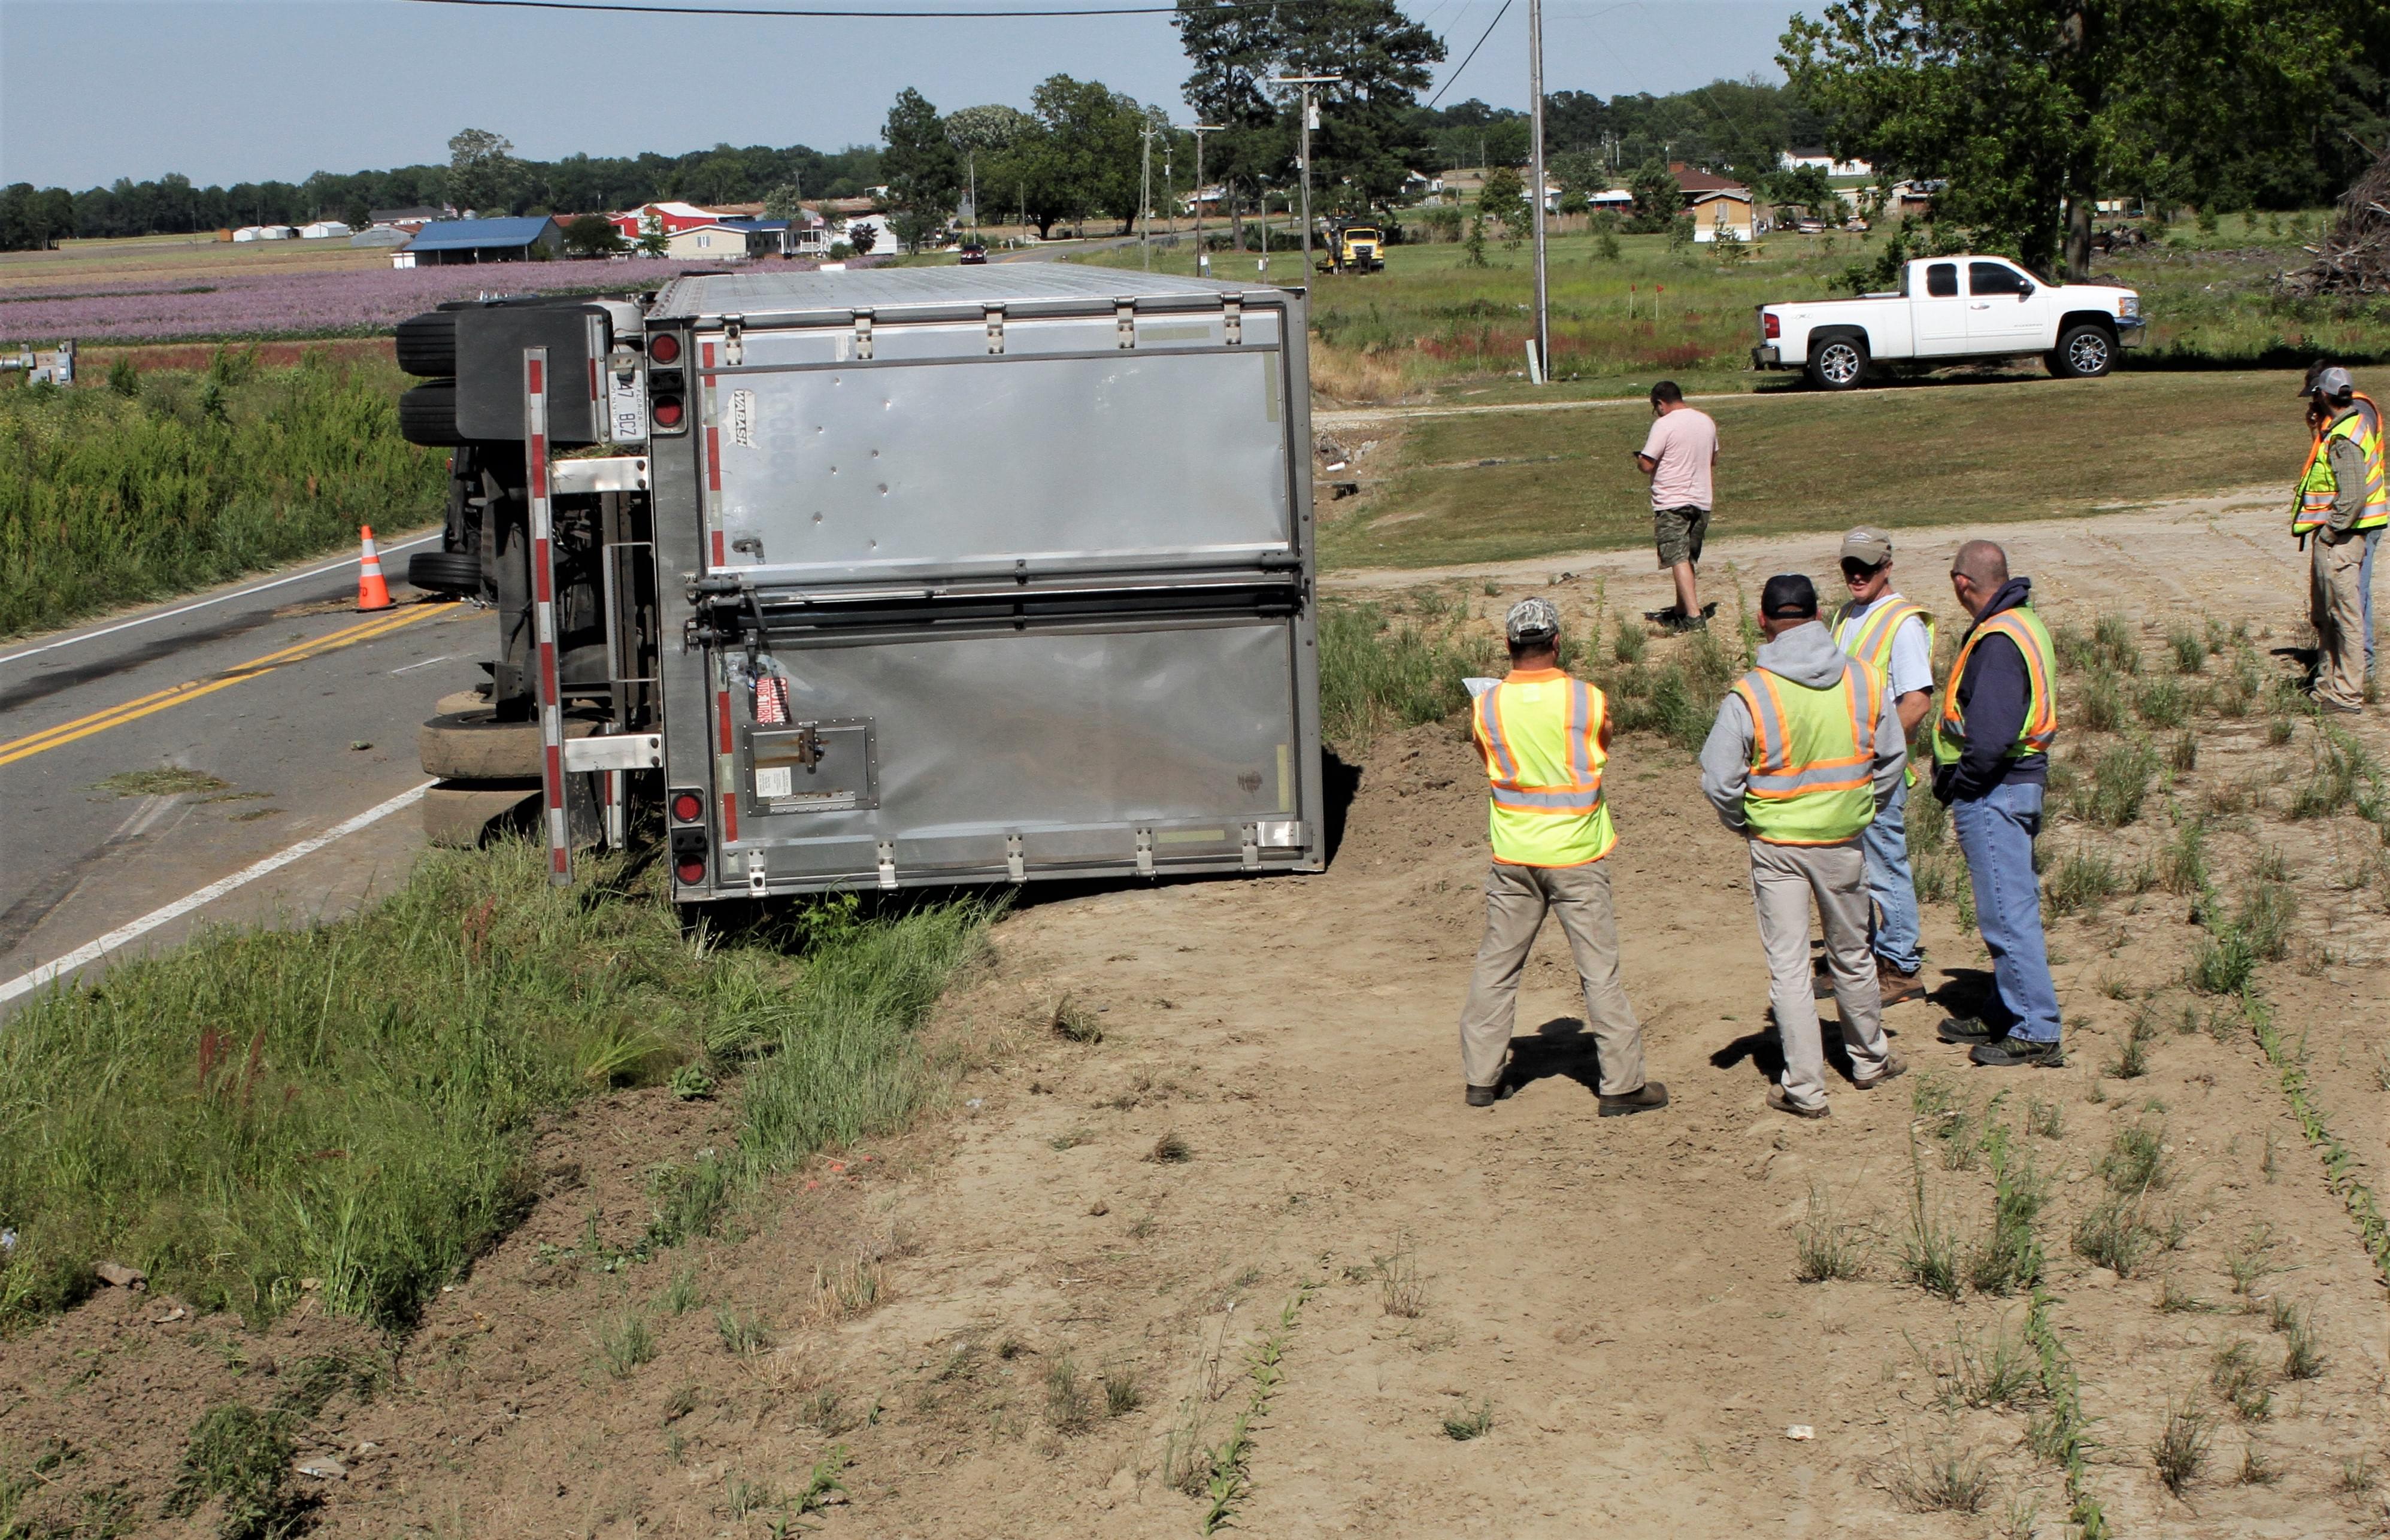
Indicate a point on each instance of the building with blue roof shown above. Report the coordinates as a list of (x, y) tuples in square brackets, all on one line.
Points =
[(445, 241)]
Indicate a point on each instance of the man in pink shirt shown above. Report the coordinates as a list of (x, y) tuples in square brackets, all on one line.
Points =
[(1678, 457)]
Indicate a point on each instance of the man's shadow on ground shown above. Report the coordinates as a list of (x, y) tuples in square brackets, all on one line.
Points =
[(1561, 1048)]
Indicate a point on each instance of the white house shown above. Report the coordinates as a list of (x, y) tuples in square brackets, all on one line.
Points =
[(1793, 160), (709, 242), (264, 232), (882, 238), (325, 229)]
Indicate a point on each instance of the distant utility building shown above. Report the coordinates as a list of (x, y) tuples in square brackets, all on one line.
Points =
[(448, 241), (324, 229), (1794, 160), (381, 235), (419, 214)]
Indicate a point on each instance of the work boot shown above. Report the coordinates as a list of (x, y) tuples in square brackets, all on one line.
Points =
[(1485, 1096), (2009, 1052), (1644, 1098), (1782, 1103), (1894, 1068), (1966, 1031), (1895, 987)]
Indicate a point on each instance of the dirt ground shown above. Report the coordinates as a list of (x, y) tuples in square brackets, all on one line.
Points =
[(1259, 1197)]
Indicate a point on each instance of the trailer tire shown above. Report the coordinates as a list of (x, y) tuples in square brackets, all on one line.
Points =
[(427, 414), (457, 572), (460, 814), (475, 746), (426, 344), (1839, 363), (2084, 352), (461, 701)]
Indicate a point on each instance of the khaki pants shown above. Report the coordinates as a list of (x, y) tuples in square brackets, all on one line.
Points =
[(1516, 898), (1785, 881), (2336, 606)]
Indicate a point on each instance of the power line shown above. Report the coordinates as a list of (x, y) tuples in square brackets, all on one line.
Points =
[(1448, 80)]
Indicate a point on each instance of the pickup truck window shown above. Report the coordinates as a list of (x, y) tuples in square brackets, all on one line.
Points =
[(1942, 280), (1993, 277)]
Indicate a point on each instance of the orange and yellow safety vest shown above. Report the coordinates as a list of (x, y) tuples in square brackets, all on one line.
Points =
[(1868, 639), (2040, 730), (1540, 732), (2318, 486), (1812, 755)]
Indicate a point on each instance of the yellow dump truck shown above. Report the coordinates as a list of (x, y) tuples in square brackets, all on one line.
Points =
[(1353, 248)]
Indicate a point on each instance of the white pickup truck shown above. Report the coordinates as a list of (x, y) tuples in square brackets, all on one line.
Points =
[(1948, 309)]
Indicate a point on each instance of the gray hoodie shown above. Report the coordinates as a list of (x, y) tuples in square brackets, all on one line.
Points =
[(1806, 655)]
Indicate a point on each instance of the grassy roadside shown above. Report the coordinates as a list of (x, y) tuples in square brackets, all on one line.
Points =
[(351, 1103), (1502, 487), (194, 477)]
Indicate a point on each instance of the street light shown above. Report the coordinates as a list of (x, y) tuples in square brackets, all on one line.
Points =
[(1306, 81), (1203, 258)]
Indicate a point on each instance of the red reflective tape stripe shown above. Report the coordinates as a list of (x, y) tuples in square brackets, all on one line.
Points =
[(721, 716), (729, 815), (721, 557), (548, 685), (712, 458), (543, 573), (532, 372), (555, 775), (539, 465), (593, 379), (709, 358), (557, 860)]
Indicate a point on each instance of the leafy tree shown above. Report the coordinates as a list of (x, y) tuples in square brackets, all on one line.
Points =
[(2035, 112), (784, 201), (592, 236), (925, 174), (1579, 170), (482, 171), (985, 133), (1659, 197), (861, 239), (652, 240), (1806, 188), (1504, 197)]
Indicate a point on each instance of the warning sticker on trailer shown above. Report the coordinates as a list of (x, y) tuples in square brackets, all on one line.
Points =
[(773, 780), (743, 418)]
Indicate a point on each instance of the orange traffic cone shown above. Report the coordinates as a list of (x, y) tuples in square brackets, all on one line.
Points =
[(372, 592)]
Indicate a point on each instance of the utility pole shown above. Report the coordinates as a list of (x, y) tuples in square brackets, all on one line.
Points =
[(1309, 111), (1203, 258), (1145, 196), (1535, 173)]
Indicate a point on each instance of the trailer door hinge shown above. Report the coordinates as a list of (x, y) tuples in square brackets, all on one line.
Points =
[(1015, 866), (888, 863), (1125, 320), (1251, 854), (862, 334), (755, 875), (734, 349), (1232, 310), (1145, 852), (995, 329)]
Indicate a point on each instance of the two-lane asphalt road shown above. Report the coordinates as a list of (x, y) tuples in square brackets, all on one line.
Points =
[(288, 715)]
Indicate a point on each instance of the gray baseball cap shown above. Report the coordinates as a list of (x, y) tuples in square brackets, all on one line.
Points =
[(1531, 619), (1872, 547), (2334, 381)]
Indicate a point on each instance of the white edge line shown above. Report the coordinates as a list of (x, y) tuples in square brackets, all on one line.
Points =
[(27, 982), (220, 598)]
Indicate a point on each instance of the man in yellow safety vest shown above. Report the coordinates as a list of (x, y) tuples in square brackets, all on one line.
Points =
[(1894, 635), (1807, 747), (1545, 738), (1991, 768), (2343, 497)]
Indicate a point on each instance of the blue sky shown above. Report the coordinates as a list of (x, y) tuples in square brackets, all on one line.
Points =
[(238, 90)]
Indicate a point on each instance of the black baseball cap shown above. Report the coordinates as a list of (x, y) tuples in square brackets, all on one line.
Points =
[(1789, 596)]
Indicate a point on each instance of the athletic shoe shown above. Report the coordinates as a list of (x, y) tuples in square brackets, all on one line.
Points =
[(1965, 1031), (1782, 1103), (1644, 1098), (2006, 1053)]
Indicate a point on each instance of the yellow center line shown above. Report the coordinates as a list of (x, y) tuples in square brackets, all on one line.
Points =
[(158, 700)]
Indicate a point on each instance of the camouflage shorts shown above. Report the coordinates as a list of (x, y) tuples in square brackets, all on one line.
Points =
[(1678, 533)]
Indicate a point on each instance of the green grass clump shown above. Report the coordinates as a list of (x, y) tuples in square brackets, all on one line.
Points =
[(353, 1102), (2258, 933), (106, 500), (2118, 786), (1375, 676), (2082, 880), (242, 1457)]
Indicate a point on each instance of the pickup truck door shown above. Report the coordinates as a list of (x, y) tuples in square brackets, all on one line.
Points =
[(2005, 310), (1938, 309)]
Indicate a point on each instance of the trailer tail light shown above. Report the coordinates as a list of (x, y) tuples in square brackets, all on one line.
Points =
[(664, 348), (1769, 325), (666, 413), (688, 807), (688, 844)]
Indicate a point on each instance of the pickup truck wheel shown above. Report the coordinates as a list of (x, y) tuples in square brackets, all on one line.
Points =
[(1838, 363), (2085, 353)]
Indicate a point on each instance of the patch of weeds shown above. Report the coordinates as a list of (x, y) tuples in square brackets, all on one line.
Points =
[(2227, 958), (2251, 1262), (851, 1288), (170, 780), (2236, 1376), (2341, 769), (2100, 703), (2357, 1476), (2278, 729), (2117, 643), (2045, 1119), (625, 1342), (2083, 880), (1075, 1022), (1627, 646), (2113, 1235), (240, 1456), (2057, 1434), (688, 1201), (2136, 1161), (1461, 1427), (1070, 1408), (1071, 1140), (2118, 787), (1929, 1251), (1400, 1290), (1124, 1391), (1171, 1150), (2182, 754), (1826, 1248), (1946, 1480), (2162, 703), (2181, 1451), (2132, 1060), (2008, 1259), (2189, 649), (743, 1336), (2175, 1300), (2302, 1359), (680, 1295), (2255, 1470), (2001, 1372)]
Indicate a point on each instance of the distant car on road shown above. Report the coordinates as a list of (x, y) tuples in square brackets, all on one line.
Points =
[(1811, 227), (974, 254), (1948, 309)]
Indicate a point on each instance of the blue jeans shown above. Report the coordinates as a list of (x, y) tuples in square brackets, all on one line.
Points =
[(2365, 593), (1996, 833), (1891, 928)]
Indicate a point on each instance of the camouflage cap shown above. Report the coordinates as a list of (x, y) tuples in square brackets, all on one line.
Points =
[(1531, 619)]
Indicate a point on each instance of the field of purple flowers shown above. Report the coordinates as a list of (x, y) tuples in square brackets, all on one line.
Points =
[(351, 304)]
